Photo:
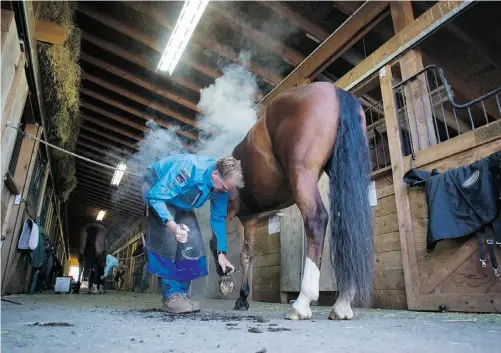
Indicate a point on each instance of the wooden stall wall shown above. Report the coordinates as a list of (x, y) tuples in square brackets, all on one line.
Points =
[(266, 264), (389, 283), (452, 275)]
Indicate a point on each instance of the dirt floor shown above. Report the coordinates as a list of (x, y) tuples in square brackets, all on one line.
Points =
[(131, 322)]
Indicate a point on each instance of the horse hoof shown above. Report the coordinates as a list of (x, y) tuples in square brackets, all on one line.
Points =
[(241, 305), (293, 314), (339, 313)]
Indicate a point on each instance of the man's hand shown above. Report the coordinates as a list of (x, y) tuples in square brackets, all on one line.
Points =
[(225, 263), (180, 231)]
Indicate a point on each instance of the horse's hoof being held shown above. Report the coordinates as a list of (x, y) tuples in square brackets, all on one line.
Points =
[(299, 313), (241, 305), (341, 311)]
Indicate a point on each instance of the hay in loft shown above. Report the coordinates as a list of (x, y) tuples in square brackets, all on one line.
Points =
[(61, 75)]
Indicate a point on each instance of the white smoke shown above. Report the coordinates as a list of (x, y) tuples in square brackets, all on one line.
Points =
[(227, 106), (158, 143)]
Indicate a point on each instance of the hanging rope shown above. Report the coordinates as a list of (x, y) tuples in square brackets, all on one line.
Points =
[(31, 137)]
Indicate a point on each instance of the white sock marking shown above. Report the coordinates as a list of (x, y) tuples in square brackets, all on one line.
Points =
[(309, 288), (342, 307)]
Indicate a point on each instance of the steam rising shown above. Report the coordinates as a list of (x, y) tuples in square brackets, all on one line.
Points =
[(228, 107)]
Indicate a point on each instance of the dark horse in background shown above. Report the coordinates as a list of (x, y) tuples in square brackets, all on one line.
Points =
[(92, 256), (306, 131)]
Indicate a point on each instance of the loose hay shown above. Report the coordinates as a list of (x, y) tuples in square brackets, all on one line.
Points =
[(61, 77)]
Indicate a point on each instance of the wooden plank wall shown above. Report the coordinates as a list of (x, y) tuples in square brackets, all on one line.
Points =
[(452, 274), (389, 284), (266, 264)]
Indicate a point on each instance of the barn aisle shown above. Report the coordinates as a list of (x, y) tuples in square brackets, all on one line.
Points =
[(124, 321)]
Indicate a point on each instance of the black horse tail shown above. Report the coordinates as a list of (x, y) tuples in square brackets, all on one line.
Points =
[(351, 244)]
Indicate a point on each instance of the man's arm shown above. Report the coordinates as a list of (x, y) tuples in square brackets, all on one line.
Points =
[(161, 209), (218, 211)]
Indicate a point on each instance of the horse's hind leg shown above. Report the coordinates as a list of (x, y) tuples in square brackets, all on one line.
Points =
[(246, 261), (315, 216)]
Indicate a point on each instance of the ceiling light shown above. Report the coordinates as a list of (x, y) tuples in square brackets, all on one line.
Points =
[(100, 215), (186, 23), (119, 173)]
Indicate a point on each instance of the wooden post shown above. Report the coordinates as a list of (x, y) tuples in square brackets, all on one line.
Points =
[(417, 95), (411, 273), (41, 196)]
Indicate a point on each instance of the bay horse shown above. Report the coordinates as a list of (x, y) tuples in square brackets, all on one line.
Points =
[(306, 131), (92, 255)]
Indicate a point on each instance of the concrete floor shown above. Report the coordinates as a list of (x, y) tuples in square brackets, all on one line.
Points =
[(125, 322)]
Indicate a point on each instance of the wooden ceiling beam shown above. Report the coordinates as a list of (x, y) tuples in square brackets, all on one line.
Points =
[(135, 34), (107, 136), (111, 127), (146, 102), (136, 112), (138, 60), (155, 88), (86, 176), (125, 204), (203, 40), (334, 45), (107, 204), (84, 209), (114, 116), (349, 7), (131, 180), (230, 19), (400, 43), (315, 32), (110, 147)]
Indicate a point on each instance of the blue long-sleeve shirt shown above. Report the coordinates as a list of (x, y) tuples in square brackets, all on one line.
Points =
[(185, 182)]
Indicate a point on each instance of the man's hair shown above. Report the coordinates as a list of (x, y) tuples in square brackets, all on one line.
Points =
[(230, 169)]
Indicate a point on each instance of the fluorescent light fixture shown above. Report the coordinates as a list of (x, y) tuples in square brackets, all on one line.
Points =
[(186, 23), (119, 173), (100, 215)]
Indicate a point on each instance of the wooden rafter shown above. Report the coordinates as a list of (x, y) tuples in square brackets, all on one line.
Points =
[(110, 137), (136, 112), (202, 39), (137, 59), (153, 87), (400, 42), (141, 37), (355, 23), (147, 102)]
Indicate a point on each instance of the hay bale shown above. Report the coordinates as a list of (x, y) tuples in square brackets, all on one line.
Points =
[(61, 75)]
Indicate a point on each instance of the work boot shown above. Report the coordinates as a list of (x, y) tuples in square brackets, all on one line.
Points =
[(101, 289), (93, 289), (194, 304), (178, 304)]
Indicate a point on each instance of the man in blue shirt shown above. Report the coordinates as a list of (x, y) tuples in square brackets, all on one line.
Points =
[(173, 187)]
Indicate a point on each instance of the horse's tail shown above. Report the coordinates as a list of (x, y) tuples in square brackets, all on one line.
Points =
[(351, 220)]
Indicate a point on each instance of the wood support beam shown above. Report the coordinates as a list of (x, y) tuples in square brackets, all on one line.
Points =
[(410, 264), (138, 60), (146, 102), (329, 47), (416, 31), (133, 33), (110, 127), (136, 112), (110, 137), (232, 20), (155, 88), (417, 101), (315, 32), (113, 116), (50, 32), (203, 40)]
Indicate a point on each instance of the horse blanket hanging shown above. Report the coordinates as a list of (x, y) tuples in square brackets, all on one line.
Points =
[(463, 201)]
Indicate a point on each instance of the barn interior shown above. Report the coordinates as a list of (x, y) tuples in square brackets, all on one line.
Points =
[(83, 77)]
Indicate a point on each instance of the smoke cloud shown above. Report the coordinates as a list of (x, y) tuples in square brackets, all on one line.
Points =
[(228, 107)]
